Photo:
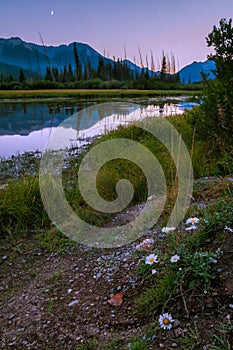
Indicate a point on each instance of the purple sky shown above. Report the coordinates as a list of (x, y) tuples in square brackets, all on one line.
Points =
[(178, 26)]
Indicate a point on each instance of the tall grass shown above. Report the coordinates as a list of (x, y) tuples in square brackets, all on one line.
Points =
[(21, 207)]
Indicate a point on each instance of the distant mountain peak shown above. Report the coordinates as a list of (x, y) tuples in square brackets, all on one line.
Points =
[(15, 40), (36, 58)]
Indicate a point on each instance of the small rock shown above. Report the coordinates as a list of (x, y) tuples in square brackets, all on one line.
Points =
[(176, 323), (74, 302), (11, 316), (25, 343), (147, 244)]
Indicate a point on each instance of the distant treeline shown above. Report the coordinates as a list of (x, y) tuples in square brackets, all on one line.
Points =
[(116, 74)]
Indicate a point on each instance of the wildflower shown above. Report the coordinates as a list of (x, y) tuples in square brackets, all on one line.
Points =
[(214, 261), (192, 227), (228, 229), (153, 271), (167, 229), (165, 321), (192, 221), (175, 258), (151, 259)]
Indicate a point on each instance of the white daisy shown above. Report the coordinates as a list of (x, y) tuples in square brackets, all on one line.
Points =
[(175, 258), (193, 227), (151, 259), (192, 221), (165, 321), (167, 229)]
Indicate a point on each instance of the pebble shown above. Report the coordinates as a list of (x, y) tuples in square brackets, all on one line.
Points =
[(73, 302)]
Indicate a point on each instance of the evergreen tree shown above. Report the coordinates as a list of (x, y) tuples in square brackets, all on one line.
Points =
[(65, 77), (221, 39), (48, 75), (22, 76), (78, 67), (163, 71), (101, 68), (215, 119), (55, 73), (70, 75)]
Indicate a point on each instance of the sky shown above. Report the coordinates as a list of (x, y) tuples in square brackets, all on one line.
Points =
[(115, 27)]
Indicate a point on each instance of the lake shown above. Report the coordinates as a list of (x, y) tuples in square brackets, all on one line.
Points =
[(28, 127)]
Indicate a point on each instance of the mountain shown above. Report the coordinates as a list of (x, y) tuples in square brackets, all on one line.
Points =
[(192, 72), (35, 58), (15, 51), (9, 69)]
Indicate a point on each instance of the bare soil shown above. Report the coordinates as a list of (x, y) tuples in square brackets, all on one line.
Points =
[(39, 286)]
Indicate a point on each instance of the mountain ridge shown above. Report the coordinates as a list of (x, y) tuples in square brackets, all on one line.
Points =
[(36, 58)]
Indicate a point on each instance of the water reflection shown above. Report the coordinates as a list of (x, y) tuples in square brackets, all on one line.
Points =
[(27, 127)]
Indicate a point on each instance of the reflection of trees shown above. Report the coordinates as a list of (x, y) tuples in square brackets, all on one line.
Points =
[(54, 109), (24, 108), (161, 108)]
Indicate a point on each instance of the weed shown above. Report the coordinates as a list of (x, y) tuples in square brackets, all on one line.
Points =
[(89, 345), (223, 337), (190, 340), (50, 305), (55, 277)]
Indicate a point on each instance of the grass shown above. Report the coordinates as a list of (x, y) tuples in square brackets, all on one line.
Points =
[(222, 335), (22, 209), (89, 93), (195, 270)]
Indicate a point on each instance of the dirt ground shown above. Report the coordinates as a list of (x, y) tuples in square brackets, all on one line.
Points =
[(59, 300)]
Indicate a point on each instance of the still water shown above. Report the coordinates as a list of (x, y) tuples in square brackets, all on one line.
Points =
[(28, 127)]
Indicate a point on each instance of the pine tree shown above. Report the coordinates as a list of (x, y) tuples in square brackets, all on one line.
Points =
[(101, 68), (65, 77), (163, 68), (22, 76), (70, 75), (78, 67), (55, 73), (48, 75)]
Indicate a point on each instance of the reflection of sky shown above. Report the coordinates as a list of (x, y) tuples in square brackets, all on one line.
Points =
[(68, 133), (14, 144)]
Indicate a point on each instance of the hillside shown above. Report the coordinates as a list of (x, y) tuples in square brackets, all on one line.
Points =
[(33, 58)]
